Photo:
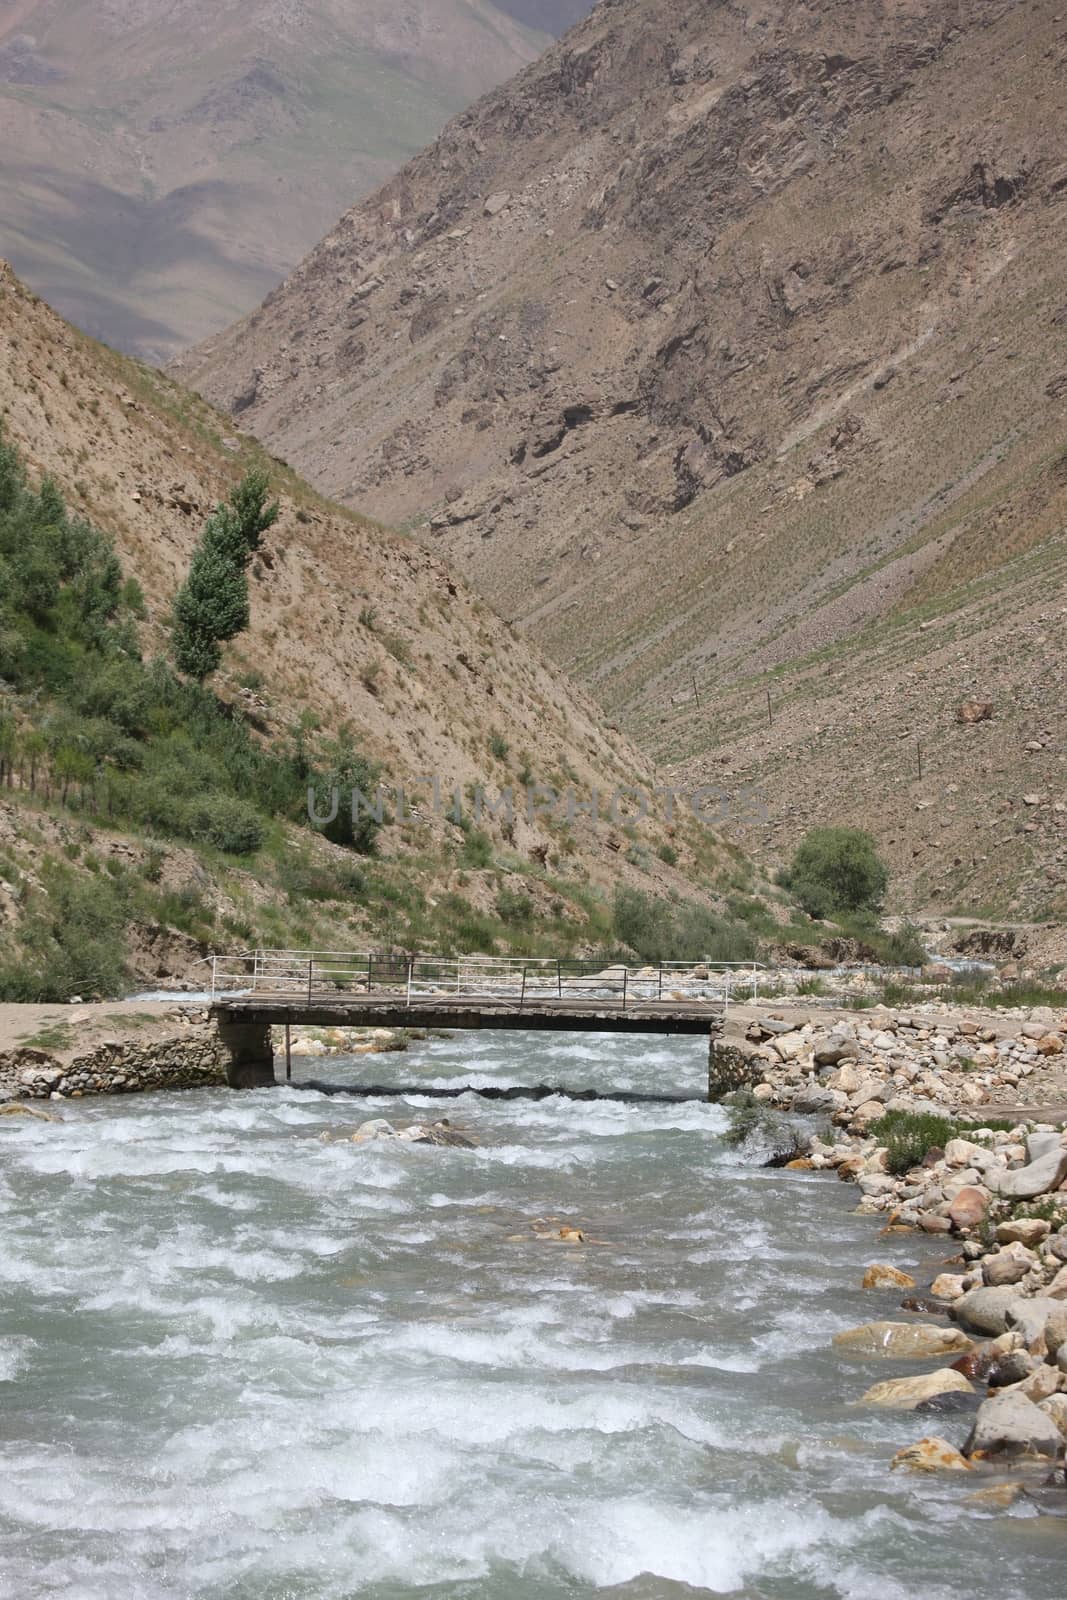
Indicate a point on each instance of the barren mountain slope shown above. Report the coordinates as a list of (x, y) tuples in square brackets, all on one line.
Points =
[(722, 336), (350, 621), (167, 161)]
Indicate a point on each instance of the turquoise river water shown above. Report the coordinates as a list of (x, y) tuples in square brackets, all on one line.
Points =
[(242, 1361)]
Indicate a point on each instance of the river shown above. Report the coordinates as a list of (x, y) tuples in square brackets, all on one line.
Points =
[(242, 1361)]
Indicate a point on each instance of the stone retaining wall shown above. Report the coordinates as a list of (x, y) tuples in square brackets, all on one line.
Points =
[(115, 1066)]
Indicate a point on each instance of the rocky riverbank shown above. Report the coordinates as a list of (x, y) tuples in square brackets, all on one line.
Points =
[(854, 1069), (911, 1103), (63, 1053)]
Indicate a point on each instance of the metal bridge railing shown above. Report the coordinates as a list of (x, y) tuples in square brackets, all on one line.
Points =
[(304, 975)]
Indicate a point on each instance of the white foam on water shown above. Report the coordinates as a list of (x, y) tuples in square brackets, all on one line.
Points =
[(280, 1366), (15, 1355), (714, 1550)]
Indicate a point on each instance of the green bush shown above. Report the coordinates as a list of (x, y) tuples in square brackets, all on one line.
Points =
[(228, 823), (73, 943), (908, 1135), (515, 907), (836, 870), (662, 930), (349, 776), (122, 736)]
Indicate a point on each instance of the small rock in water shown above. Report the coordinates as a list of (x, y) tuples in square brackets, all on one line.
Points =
[(948, 1286), (879, 1276), (930, 1455), (904, 1394)]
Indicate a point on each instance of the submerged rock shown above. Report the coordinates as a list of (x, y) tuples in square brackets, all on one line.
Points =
[(902, 1339), (15, 1108), (440, 1133)]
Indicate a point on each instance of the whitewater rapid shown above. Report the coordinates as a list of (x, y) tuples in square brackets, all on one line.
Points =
[(242, 1357)]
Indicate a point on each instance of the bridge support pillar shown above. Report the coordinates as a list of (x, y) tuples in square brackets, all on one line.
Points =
[(728, 1069), (249, 1053)]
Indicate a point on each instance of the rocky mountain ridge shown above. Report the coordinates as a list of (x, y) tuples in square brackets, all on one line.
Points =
[(167, 161), (748, 320)]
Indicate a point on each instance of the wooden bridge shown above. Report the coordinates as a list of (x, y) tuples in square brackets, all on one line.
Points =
[(255, 990)]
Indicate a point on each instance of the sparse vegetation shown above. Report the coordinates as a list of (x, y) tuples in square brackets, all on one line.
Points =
[(665, 930), (909, 1135)]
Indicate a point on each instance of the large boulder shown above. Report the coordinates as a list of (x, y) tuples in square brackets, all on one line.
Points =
[(904, 1394), (1030, 1316), (968, 1207), (1056, 1408), (984, 1310), (1009, 1265), (1023, 1230), (1009, 1424), (1041, 1144), (1056, 1331), (902, 1339), (836, 1047), (1039, 1177), (812, 1100)]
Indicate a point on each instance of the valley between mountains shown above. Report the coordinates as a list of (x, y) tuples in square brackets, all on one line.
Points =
[(724, 349)]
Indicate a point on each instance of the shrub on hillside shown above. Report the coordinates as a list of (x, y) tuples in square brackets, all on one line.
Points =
[(73, 943), (662, 930), (836, 870)]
